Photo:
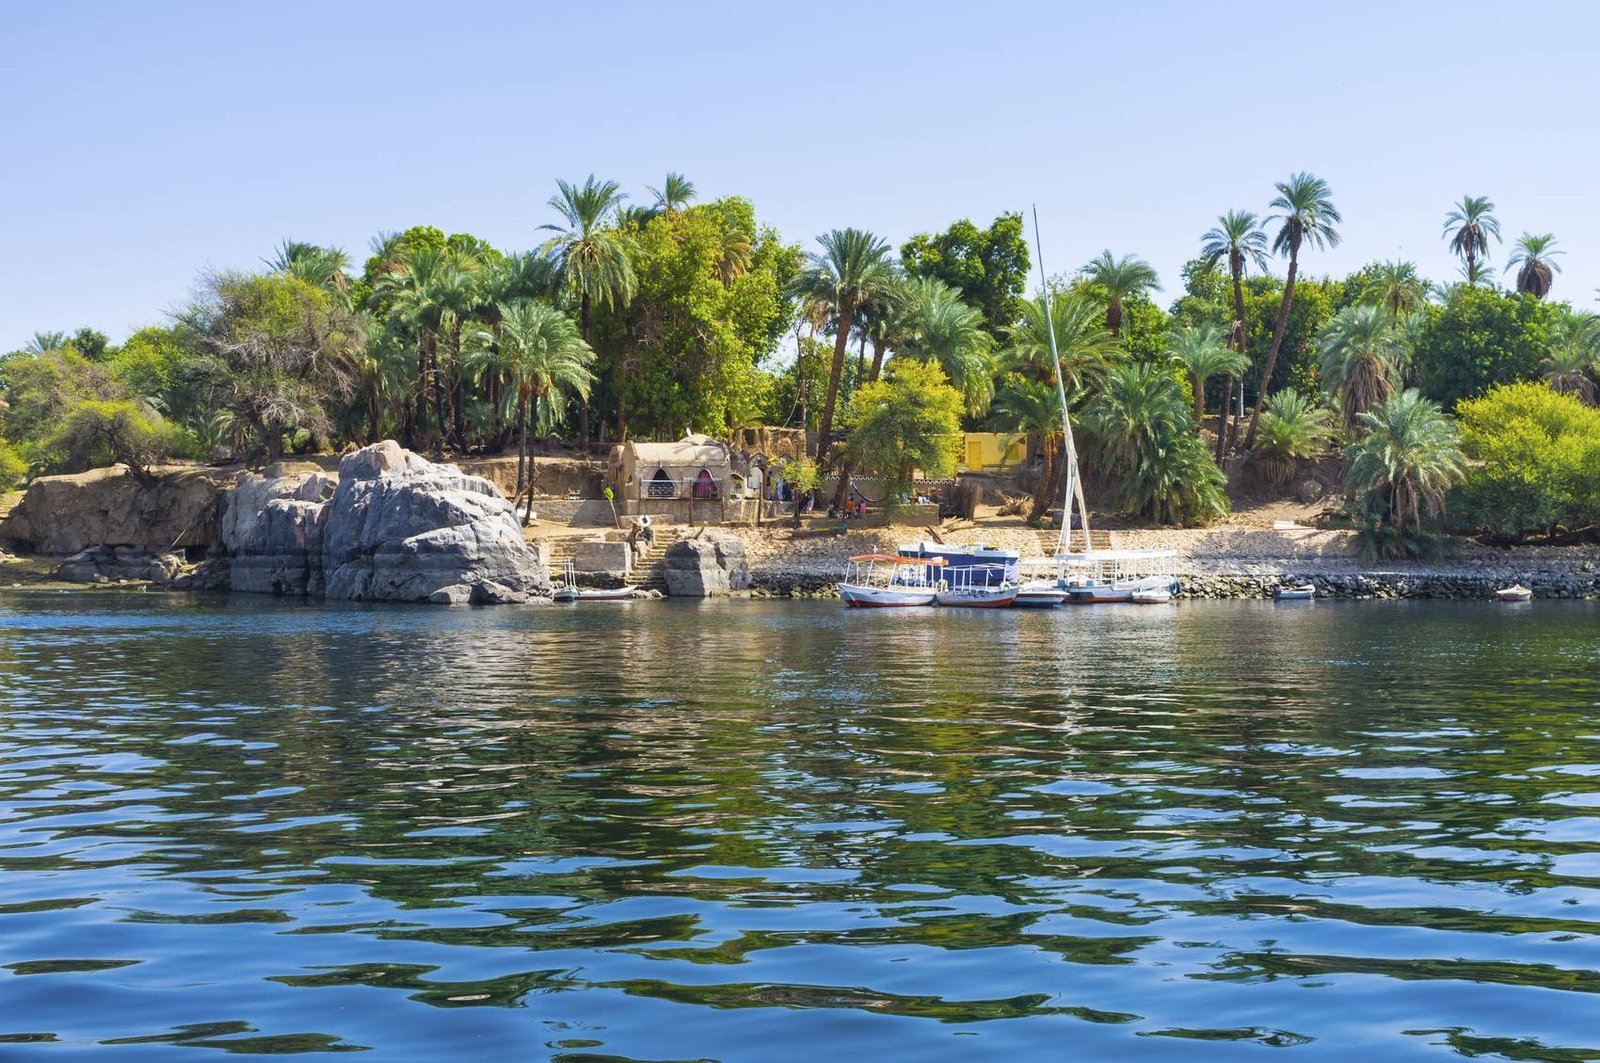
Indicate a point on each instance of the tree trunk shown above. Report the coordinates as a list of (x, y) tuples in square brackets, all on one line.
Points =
[(457, 389), (583, 402), (1278, 328), (527, 506), (1239, 341), (1044, 491), (522, 444), (1199, 403), (847, 312), (878, 352)]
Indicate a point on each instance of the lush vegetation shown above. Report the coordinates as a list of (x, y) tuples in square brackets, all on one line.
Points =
[(665, 314)]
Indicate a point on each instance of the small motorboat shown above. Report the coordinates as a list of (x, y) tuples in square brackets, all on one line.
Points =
[(1299, 592), (568, 591), (877, 581), (1151, 596), (1039, 594), (1514, 593)]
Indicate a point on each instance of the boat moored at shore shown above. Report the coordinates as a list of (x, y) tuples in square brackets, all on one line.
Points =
[(877, 581)]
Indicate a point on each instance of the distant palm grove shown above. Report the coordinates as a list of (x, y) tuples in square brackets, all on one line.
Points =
[(1466, 404)]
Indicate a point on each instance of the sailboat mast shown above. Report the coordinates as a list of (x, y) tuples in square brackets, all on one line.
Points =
[(1073, 485)]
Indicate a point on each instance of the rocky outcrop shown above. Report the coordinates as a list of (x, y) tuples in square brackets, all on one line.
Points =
[(706, 567), (392, 527), (63, 515), (107, 564)]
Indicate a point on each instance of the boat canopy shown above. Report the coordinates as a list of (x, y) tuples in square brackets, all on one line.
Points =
[(897, 559)]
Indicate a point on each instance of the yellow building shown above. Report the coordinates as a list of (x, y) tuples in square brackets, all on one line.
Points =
[(987, 451)]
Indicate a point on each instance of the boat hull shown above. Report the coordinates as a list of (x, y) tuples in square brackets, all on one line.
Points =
[(862, 597), (1294, 594), (978, 598), (1099, 595), (620, 594), (1151, 597), (1047, 596)]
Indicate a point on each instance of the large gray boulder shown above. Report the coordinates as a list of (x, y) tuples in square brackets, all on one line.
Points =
[(706, 567), (392, 527)]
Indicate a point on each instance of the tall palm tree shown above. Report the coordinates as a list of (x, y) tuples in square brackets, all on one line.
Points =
[(1535, 254), (1469, 227), (45, 342), (1086, 348), (1238, 236), (407, 288), (1305, 215), (1397, 287), (1202, 352), (851, 268), (540, 351), (940, 328), (1140, 423), (1408, 457), (1122, 278), (592, 258), (675, 193), (1363, 357)]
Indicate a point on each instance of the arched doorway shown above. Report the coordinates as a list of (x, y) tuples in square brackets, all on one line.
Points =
[(704, 485)]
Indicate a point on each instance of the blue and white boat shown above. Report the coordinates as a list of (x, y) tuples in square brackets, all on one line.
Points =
[(986, 566)]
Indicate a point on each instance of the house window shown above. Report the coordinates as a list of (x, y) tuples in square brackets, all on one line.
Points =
[(660, 486), (704, 485)]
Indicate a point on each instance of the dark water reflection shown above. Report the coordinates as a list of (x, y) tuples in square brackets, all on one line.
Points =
[(756, 831)]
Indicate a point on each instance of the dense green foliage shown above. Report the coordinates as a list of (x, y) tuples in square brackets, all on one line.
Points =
[(667, 315), (1480, 337), (910, 421), (988, 267), (1536, 465)]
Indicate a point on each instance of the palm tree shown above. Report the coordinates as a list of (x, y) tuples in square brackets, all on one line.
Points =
[(939, 327), (1363, 357), (408, 288), (592, 258), (1293, 429), (1122, 278), (1086, 348), (1536, 256), (45, 342), (1470, 226), (1305, 215), (540, 351), (676, 193), (1574, 357), (1201, 351), (1397, 287), (1409, 456), (852, 267), (320, 267), (1140, 423), (1239, 237), (1030, 407)]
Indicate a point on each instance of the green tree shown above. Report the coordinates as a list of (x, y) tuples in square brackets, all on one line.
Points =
[(1400, 470), (320, 267), (1535, 259), (1143, 433), (675, 193), (282, 352), (592, 257), (1239, 238), (851, 268), (1028, 406), (95, 433), (1480, 337), (1085, 347), (1535, 463), (540, 350), (1203, 355), (1469, 227), (1119, 279), (12, 467), (938, 327), (1394, 286), (1363, 358), (989, 267), (908, 422), (1305, 215), (1574, 357), (1294, 428), (39, 389)]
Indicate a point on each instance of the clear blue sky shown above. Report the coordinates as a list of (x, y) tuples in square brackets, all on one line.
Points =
[(146, 141)]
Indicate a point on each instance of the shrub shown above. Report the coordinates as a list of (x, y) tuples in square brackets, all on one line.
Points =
[(1400, 470), (12, 467), (1537, 457), (1293, 428), (99, 433)]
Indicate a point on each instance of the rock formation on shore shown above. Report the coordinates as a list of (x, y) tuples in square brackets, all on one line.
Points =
[(63, 515), (706, 567), (391, 527)]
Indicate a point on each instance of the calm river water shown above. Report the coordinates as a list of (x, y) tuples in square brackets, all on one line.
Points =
[(742, 830)]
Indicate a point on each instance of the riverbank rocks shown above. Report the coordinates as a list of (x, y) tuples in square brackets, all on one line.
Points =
[(111, 564), (391, 527), (62, 515), (706, 567)]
